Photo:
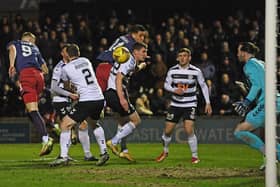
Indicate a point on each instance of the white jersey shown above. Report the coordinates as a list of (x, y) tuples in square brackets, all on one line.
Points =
[(80, 72), (187, 79), (126, 69), (57, 71)]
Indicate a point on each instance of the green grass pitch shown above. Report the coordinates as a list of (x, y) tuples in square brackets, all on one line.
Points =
[(221, 165)]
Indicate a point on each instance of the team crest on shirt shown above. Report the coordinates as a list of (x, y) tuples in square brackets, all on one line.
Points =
[(63, 111), (72, 111), (169, 116)]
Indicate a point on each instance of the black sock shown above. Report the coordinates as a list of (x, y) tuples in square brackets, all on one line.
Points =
[(39, 122), (123, 144)]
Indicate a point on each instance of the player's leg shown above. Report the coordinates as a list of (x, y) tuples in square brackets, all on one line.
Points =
[(261, 134), (243, 131), (125, 154), (98, 132), (101, 141), (36, 118), (85, 141), (32, 84), (121, 122), (49, 118), (38, 121), (127, 129), (65, 142), (172, 118), (166, 139), (112, 100), (191, 139)]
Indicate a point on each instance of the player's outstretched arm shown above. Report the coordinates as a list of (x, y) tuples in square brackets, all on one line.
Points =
[(12, 58)]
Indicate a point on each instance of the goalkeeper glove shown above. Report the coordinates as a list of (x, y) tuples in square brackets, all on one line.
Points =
[(241, 107)]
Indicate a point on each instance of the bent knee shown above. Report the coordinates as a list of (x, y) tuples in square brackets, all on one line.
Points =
[(67, 123), (83, 125)]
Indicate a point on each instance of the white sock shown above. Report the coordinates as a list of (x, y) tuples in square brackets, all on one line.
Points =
[(84, 139), (45, 139), (65, 143), (166, 141), (122, 141), (192, 140), (100, 139), (126, 130)]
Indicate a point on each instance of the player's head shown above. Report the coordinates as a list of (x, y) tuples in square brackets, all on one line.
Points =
[(28, 37), (73, 51), (63, 52), (140, 50), (138, 32), (184, 56), (246, 50)]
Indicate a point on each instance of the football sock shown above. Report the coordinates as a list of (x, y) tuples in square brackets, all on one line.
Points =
[(39, 122), (192, 140), (65, 143), (123, 132), (100, 139), (166, 140), (84, 140), (123, 145), (250, 139), (123, 142), (45, 139)]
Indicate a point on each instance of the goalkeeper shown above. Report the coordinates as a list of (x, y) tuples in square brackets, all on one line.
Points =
[(255, 117)]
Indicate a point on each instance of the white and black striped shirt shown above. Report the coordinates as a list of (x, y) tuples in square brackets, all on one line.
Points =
[(57, 77), (126, 69), (187, 79)]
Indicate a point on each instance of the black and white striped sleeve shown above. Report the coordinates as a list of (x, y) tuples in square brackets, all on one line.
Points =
[(168, 82)]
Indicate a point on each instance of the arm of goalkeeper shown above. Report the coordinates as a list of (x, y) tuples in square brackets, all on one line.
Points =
[(242, 107)]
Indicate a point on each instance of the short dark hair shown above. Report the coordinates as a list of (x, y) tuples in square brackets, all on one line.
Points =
[(187, 50), (249, 47), (136, 28), (139, 45), (73, 50)]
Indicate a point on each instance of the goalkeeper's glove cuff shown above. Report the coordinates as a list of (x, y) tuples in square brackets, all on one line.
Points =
[(246, 102)]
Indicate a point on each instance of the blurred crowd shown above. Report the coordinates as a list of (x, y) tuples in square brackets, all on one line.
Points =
[(213, 44)]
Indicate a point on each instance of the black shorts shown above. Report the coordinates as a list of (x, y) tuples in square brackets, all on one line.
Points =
[(113, 101), (174, 114), (82, 110), (62, 108)]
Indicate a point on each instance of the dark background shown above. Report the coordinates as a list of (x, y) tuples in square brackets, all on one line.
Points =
[(151, 10)]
